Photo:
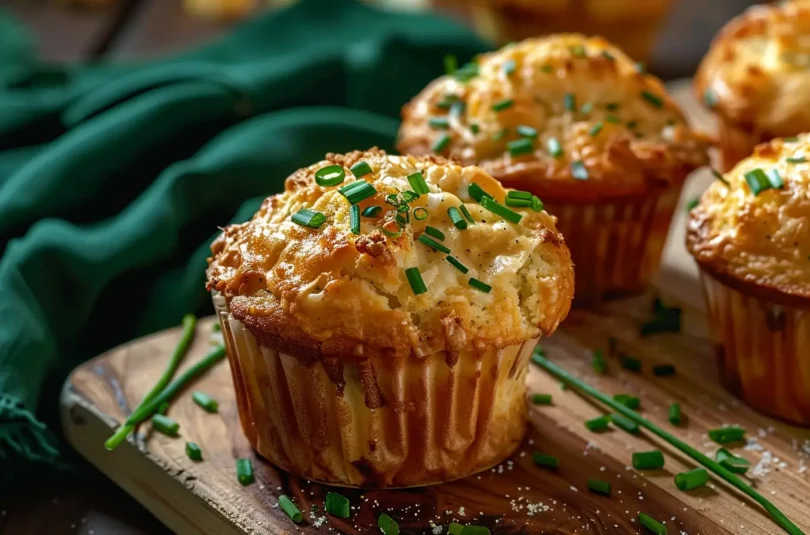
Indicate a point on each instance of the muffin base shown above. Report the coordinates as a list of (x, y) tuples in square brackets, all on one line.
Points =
[(395, 423), (763, 349)]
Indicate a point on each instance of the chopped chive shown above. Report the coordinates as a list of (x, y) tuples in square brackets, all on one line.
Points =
[(450, 63), (447, 101), (165, 425), (547, 68), (466, 214), (631, 402), (709, 98), (586, 108), (216, 327), (403, 218), (392, 199), (372, 211), (607, 55), (600, 423), (457, 109), (509, 67), (290, 509), (652, 98), (792, 139), (164, 408), (612, 119), (433, 244), (415, 280), (441, 143), (652, 524), (520, 146), (519, 195), (541, 399), (337, 505), (691, 205), (547, 461), (795, 159), (554, 147), (476, 192), (632, 124), (454, 528), (640, 67), (357, 191), (456, 264), (691, 479), (503, 104), (500, 134), (775, 179), (719, 176), (595, 129), (205, 401), (387, 525), (354, 219), (526, 131), (675, 417), (361, 169), (630, 363), (726, 435), (420, 214), (436, 233), (244, 471), (193, 451), (470, 529), (569, 102), (440, 123), (392, 233), (731, 462), (757, 180), (456, 218), (409, 195), (474, 128), (577, 51), (598, 362), (578, 170), (598, 486), (664, 370), (308, 218), (467, 72), (648, 460), (479, 285), (500, 210), (612, 106), (624, 423), (417, 182), (331, 175), (537, 204)]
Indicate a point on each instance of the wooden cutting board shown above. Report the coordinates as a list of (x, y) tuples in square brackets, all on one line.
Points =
[(514, 497)]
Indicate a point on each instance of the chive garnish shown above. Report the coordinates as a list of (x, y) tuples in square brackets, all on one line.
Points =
[(624, 423), (387, 525), (547, 461), (479, 285), (309, 218), (509, 67), (403, 218), (430, 242), (440, 123), (607, 55), (447, 101), (691, 205), (503, 104), (466, 214), (193, 451), (652, 524), (612, 119), (420, 214), (392, 233), (441, 143), (354, 219), (652, 98), (717, 175), (415, 280), (518, 198), (709, 98), (612, 106), (456, 218), (598, 362), (648, 460), (526, 131), (598, 486), (290, 509), (408, 195), (795, 159), (726, 435), (470, 529), (205, 401), (456, 264), (595, 129), (436, 233), (632, 124), (163, 409), (372, 211), (631, 402), (630, 363), (244, 471), (331, 175), (361, 169), (467, 72), (547, 68), (450, 63), (569, 102), (577, 51), (357, 191), (664, 370), (640, 67), (476, 192), (337, 505), (537, 204), (457, 109), (554, 147), (775, 178), (520, 146), (474, 128), (731, 462), (454, 528), (792, 139), (586, 108), (600, 423), (500, 134), (498, 209), (578, 170), (165, 425), (691, 479), (417, 182), (675, 416), (541, 399)]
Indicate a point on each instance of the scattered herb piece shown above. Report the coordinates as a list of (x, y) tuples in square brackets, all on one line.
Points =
[(244, 471), (441, 143), (474, 128), (586, 108), (415, 280), (675, 417), (664, 370), (193, 451), (357, 191), (709, 98), (469, 529), (595, 129), (648, 460), (692, 479), (450, 63), (598, 362), (541, 399), (554, 147), (652, 524), (569, 102), (607, 55), (455, 529), (436, 233), (331, 175), (526, 131), (520, 146), (478, 285), (612, 119), (387, 525), (598, 486), (652, 98), (361, 169), (456, 264), (759, 181), (727, 435), (500, 134), (290, 509), (537, 204), (476, 192), (795, 159), (337, 505), (433, 244), (498, 209), (354, 219), (466, 214), (578, 170), (600, 423), (719, 176), (467, 72), (439, 123), (509, 67), (631, 402), (165, 425), (417, 182), (731, 462), (372, 211), (577, 51), (503, 104), (546, 461), (547, 68), (456, 217), (630, 363), (205, 401), (624, 423)]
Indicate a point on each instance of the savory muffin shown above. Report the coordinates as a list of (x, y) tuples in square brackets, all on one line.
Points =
[(379, 316), (750, 235), (632, 25), (572, 120), (755, 77)]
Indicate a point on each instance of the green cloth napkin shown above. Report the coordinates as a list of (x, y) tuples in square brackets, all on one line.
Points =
[(114, 176)]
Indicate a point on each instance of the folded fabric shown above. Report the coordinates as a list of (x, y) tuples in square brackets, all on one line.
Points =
[(113, 177)]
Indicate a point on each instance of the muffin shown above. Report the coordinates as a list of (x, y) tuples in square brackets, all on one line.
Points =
[(755, 78), (573, 121), (379, 320), (750, 235), (633, 26)]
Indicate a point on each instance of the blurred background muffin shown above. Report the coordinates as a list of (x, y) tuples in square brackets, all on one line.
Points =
[(750, 236), (577, 123), (755, 77), (379, 319)]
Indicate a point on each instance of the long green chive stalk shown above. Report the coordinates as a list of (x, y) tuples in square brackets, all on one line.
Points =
[(145, 410), (189, 325), (777, 515)]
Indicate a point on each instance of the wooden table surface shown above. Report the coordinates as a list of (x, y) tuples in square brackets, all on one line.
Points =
[(147, 28)]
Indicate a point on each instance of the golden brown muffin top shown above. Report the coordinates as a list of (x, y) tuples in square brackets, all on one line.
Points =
[(608, 10), (572, 110), (759, 238), (756, 71), (328, 291)]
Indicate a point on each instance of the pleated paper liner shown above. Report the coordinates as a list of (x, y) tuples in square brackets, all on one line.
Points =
[(438, 421), (763, 349), (736, 142)]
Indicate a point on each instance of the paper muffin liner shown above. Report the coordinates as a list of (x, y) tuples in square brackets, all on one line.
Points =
[(443, 416), (763, 350)]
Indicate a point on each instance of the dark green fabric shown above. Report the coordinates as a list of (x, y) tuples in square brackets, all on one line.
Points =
[(113, 177)]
